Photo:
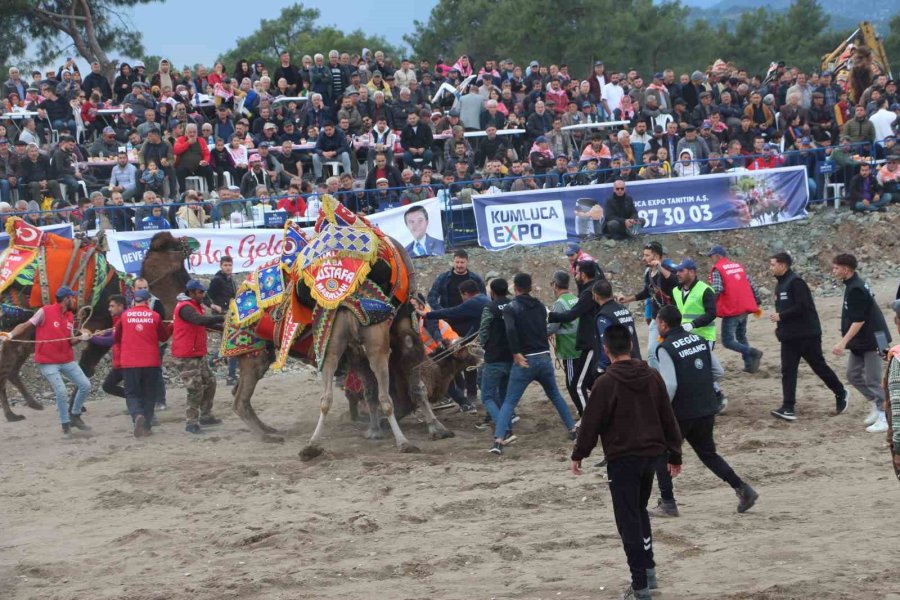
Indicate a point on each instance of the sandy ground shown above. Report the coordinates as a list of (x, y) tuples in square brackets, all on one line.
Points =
[(225, 516)]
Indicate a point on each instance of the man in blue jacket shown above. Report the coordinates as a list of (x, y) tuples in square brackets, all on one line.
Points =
[(331, 146)]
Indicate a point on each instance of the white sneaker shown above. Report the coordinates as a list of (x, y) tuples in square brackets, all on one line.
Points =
[(879, 426), (873, 415)]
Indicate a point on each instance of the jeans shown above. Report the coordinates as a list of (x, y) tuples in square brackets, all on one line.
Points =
[(59, 124), (5, 188), (883, 201), (734, 335), (144, 387), (652, 345), (494, 382), (425, 157), (540, 369), (318, 161), (54, 375)]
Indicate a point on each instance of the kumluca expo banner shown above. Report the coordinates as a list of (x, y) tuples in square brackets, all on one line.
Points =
[(704, 203)]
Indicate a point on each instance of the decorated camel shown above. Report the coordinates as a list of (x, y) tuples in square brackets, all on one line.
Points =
[(337, 299), (37, 263)]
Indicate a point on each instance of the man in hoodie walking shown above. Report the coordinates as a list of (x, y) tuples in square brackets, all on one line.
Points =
[(688, 368), (629, 411), (526, 332)]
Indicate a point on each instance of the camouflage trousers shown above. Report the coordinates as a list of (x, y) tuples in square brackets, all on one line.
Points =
[(200, 384)]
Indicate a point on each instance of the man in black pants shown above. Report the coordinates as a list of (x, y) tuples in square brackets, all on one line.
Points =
[(112, 384), (688, 367), (798, 329), (630, 412), (585, 310)]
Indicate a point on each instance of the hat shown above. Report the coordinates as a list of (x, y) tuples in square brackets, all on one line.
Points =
[(895, 106), (265, 144), (805, 141), (669, 264), (142, 295), (572, 249), (381, 179), (376, 73), (270, 126), (128, 110), (572, 163), (562, 155), (138, 64), (658, 75), (65, 292), (690, 128), (697, 76), (535, 63), (32, 89), (109, 130), (895, 306), (717, 250), (706, 125), (686, 263), (585, 104), (540, 140), (194, 285), (454, 112)]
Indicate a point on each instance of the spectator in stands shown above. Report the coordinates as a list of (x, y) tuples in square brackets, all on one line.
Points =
[(540, 156), (256, 176), (124, 177), (767, 156), (192, 157), (96, 81), (691, 141), (416, 140), (761, 116), (865, 192), (156, 149), (38, 176), (539, 122), (859, 129), (191, 215)]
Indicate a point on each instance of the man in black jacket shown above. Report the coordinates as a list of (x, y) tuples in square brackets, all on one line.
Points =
[(497, 357), (39, 176), (861, 320), (416, 140), (630, 412), (526, 331), (585, 310), (222, 289), (798, 329), (622, 221), (331, 146), (688, 368)]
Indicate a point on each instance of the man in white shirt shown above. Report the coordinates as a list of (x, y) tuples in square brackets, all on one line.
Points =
[(612, 94), (882, 119)]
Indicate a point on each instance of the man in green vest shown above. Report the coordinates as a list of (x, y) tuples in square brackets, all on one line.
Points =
[(696, 301), (565, 333)]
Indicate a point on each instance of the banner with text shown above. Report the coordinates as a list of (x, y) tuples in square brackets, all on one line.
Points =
[(703, 203), (251, 248)]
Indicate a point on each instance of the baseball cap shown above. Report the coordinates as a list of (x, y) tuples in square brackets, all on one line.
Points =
[(658, 75), (540, 140), (142, 295), (669, 264), (805, 141), (686, 263), (895, 106), (697, 76), (376, 73), (270, 126), (108, 130), (585, 104), (65, 292), (562, 155), (193, 285), (572, 249), (706, 125), (454, 112), (717, 250), (381, 179), (265, 144)]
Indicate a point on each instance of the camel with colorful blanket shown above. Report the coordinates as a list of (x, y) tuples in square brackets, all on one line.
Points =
[(37, 263), (337, 298)]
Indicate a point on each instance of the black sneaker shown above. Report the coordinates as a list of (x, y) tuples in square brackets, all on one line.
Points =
[(67, 431), (784, 413), (192, 428), (842, 402), (723, 401), (746, 497), (752, 365), (497, 448), (467, 408), (573, 434), (209, 420), (78, 423)]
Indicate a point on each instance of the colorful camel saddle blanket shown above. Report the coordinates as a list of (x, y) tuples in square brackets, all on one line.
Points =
[(45, 261)]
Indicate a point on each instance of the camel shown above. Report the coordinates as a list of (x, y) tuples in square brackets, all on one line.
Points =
[(384, 354), (163, 267)]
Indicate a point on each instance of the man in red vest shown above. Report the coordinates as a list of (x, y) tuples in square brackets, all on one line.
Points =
[(54, 338), (736, 297), (139, 333), (189, 351)]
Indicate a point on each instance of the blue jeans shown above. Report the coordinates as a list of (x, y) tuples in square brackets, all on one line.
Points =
[(54, 375), (734, 335), (425, 156), (5, 188), (494, 382), (883, 201), (68, 124), (540, 369)]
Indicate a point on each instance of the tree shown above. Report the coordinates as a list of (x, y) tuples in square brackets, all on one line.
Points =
[(296, 31), (92, 27), (891, 41)]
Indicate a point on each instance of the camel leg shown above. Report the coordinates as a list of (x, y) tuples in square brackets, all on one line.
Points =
[(370, 388), (377, 343), (417, 391), (16, 379), (329, 366), (12, 357), (251, 370)]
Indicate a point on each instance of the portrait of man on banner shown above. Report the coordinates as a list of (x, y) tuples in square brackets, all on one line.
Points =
[(416, 220)]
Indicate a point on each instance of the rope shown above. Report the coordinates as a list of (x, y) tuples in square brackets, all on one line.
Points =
[(463, 343)]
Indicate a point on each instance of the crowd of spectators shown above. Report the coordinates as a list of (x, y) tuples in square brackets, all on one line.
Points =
[(394, 132)]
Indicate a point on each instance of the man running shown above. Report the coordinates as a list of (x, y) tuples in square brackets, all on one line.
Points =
[(688, 368), (798, 330), (736, 297), (861, 319), (629, 410)]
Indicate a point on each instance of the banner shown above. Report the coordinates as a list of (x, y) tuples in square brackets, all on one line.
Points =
[(63, 230), (702, 203), (252, 248)]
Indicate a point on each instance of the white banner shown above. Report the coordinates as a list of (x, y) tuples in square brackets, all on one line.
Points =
[(251, 248)]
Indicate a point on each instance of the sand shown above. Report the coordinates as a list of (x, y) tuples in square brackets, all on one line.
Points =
[(225, 516)]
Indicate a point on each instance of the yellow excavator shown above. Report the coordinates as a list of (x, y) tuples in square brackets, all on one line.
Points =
[(863, 44)]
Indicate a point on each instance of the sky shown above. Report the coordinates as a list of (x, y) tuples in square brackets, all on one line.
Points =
[(196, 31)]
